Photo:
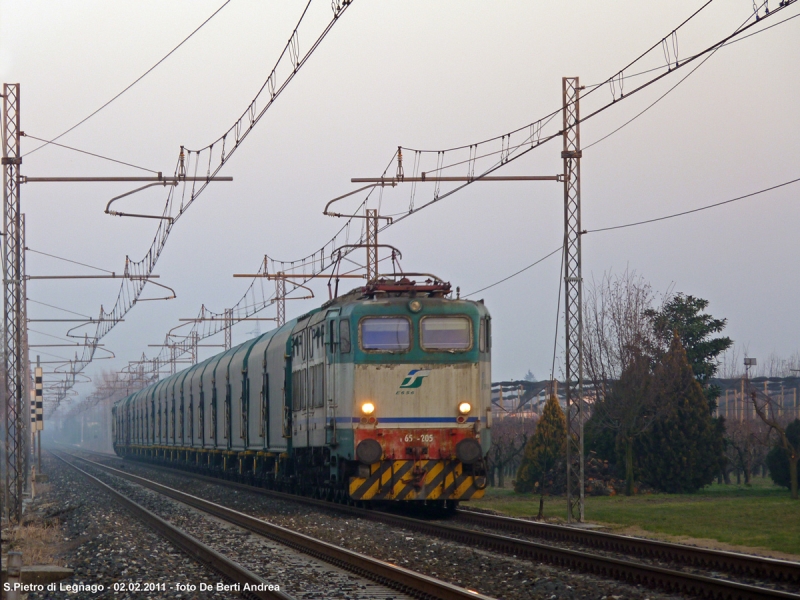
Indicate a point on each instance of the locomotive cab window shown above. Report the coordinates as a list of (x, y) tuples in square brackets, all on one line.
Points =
[(485, 336), (446, 333), (344, 336), (385, 334)]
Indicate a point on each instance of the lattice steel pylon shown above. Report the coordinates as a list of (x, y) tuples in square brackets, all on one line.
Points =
[(573, 295), (372, 244), (280, 298), (228, 328), (12, 289)]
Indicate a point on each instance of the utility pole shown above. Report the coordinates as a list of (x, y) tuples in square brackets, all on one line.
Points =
[(573, 296), (12, 289)]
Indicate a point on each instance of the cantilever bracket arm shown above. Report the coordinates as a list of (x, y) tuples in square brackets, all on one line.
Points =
[(161, 285), (361, 189), (300, 285), (121, 214)]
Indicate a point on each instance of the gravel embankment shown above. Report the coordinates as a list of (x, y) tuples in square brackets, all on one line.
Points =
[(491, 574), (107, 546), (297, 574)]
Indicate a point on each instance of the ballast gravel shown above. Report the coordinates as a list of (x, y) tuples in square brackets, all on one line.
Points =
[(295, 573), (491, 574), (107, 547)]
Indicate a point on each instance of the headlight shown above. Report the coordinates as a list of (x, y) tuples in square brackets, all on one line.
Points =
[(415, 306), (368, 408), (464, 408)]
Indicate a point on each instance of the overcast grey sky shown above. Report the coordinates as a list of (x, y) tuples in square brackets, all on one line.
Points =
[(422, 75)]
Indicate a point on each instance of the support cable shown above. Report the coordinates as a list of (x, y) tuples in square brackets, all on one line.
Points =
[(694, 210), (82, 121), (645, 222), (74, 262), (114, 160)]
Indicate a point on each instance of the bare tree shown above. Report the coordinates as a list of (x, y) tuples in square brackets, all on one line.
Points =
[(765, 409), (615, 326), (747, 445), (509, 436), (618, 357)]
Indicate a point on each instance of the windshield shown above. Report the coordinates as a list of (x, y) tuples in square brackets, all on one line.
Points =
[(446, 333), (391, 334)]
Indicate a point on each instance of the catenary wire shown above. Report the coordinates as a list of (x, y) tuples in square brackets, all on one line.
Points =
[(58, 308), (54, 356), (33, 137), (129, 292), (633, 62), (686, 212), (75, 262), (652, 104), (514, 274), (680, 81), (558, 314), (694, 210), (726, 44), (82, 121), (55, 337), (713, 48)]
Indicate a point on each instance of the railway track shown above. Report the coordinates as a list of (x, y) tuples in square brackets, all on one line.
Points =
[(717, 560), (200, 552), (404, 580), (632, 572)]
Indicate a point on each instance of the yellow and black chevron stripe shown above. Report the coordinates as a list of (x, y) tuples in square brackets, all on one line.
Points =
[(394, 480)]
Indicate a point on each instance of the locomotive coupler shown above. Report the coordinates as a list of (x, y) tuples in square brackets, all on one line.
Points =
[(418, 477)]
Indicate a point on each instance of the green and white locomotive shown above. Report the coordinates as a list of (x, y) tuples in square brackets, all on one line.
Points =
[(381, 394)]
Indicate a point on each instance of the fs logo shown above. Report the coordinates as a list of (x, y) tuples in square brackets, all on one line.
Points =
[(414, 379)]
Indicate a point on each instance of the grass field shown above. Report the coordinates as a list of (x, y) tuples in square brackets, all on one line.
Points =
[(757, 516)]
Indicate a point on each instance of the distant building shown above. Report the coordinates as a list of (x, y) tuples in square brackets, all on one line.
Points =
[(735, 400)]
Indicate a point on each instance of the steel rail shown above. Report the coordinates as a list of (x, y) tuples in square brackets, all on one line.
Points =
[(399, 578), (721, 560), (189, 544), (631, 572)]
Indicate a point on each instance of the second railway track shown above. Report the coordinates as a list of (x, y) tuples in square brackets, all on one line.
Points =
[(716, 560)]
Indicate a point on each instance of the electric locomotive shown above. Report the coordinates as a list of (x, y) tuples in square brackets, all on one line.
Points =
[(383, 394)]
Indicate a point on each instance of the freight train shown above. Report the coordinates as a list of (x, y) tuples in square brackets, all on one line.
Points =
[(382, 394)]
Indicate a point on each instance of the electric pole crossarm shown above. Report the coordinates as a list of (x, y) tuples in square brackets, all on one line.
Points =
[(64, 345), (157, 180), (274, 276), (223, 319), (425, 178), (89, 321), (112, 276)]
